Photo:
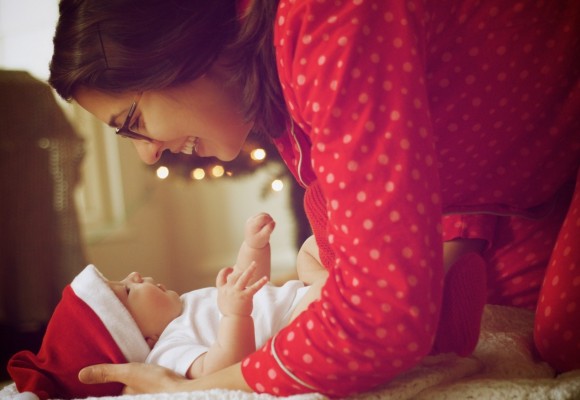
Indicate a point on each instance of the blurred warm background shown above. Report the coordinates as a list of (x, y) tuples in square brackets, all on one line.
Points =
[(72, 193)]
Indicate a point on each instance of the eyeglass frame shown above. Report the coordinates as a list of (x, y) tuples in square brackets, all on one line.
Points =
[(124, 130)]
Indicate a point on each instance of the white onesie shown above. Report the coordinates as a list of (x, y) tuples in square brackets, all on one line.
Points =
[(195, 330)]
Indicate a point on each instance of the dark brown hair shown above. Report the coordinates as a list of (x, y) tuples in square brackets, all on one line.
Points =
[(138, 45)]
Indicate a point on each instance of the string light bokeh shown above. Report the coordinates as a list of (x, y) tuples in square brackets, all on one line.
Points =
[(258, 153)]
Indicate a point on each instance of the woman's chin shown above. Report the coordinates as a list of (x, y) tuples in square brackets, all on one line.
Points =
[(226, 156)]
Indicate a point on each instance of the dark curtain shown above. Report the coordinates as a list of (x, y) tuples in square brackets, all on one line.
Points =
[(40, 245)]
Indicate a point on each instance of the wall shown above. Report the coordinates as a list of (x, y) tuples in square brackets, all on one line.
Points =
[(180, 233), (26, 30)]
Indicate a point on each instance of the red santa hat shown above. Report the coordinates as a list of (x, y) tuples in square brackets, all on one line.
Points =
[(89, 326)]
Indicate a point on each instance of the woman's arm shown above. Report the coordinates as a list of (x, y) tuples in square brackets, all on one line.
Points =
[(150, 378), (361, 121)]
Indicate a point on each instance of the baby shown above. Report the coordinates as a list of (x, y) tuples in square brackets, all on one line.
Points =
[(102, 321)]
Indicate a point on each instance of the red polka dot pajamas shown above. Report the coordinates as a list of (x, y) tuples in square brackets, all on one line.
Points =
[(405, 112)]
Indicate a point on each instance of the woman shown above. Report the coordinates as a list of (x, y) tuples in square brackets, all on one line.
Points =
[(408, 123)]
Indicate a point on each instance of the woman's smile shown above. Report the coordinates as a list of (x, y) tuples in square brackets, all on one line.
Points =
[(190, 145)]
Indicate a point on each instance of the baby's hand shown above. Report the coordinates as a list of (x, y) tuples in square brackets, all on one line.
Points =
[(235, 298), (258, 230)]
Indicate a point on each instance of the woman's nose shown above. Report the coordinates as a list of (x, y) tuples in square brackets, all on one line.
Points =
[(149, 152)]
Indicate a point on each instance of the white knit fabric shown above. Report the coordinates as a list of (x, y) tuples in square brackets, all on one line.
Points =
[(91, 287)]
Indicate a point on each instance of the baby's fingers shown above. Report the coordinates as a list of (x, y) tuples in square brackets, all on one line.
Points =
[(222, 276), (245, 276), (259, 284)]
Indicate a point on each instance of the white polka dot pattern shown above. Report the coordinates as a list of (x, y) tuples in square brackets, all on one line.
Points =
[(403, 112)]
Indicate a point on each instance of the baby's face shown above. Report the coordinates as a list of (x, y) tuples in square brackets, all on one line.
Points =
[(152, 306)]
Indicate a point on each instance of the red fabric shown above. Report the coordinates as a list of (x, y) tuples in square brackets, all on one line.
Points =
[(521, 252), (65, 350), (403, 112), (315, 209), (472, 226), (557, 325)]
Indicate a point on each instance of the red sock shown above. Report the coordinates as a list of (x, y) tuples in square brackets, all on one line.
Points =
[(464, 295)]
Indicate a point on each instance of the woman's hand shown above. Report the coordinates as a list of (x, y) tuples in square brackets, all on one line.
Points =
[(150, 378), (137, 377)]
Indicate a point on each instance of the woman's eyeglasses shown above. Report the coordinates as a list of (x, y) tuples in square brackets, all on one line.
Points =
[(125, 130)]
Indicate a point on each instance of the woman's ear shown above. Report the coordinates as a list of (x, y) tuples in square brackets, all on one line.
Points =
[(151, 340)]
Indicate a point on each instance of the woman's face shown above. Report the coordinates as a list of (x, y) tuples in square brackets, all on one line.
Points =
[(205, 112)]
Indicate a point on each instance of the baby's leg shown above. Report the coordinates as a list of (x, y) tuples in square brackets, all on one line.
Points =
[(308, 264), (313, 293), (311, 272), (256, 246)]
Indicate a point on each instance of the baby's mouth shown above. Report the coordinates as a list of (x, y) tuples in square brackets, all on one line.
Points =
[(190, 145)]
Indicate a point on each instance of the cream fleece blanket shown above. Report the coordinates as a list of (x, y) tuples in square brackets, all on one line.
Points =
[(503, 366)]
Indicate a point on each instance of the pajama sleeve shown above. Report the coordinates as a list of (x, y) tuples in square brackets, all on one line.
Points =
[(353, 78), (469, 226)]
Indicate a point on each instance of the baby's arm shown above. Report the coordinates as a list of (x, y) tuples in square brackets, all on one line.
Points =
[(256, 246), (235, 338), (311, 272)]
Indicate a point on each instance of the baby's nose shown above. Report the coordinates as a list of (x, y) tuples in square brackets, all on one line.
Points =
[(148, 279), (135, 277)]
